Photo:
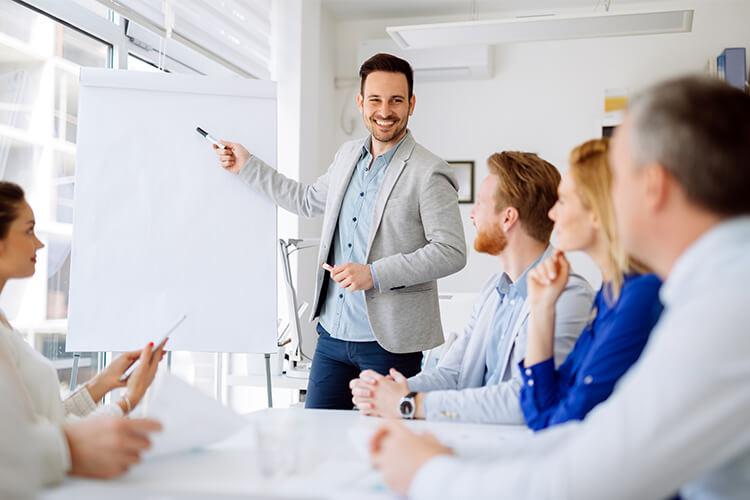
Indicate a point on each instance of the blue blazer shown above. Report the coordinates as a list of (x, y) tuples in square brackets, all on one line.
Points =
[(609, 345)]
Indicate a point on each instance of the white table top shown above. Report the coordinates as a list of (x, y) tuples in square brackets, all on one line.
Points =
[(323, 454)]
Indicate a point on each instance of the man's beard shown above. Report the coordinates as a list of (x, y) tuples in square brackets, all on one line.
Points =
[(492, 241), (385, 137)]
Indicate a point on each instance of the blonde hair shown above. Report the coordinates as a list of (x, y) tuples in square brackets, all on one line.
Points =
[(589, 168)]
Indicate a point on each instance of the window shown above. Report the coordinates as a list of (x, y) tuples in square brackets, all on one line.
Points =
[(135, 63), (39, 64), (40, 57)]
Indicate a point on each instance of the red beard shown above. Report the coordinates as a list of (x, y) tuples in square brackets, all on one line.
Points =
[(491, 242)]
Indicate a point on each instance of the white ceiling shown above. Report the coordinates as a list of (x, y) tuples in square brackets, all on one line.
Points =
[(383, 9)]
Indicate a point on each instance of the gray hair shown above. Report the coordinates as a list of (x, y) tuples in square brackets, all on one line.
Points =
[(699, 130)]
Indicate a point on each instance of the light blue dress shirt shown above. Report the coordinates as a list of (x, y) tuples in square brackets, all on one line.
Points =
[(511, 299), (344, 313)]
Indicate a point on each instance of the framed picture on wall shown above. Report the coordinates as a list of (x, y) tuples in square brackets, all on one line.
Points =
[(464, 172), (608, 131)]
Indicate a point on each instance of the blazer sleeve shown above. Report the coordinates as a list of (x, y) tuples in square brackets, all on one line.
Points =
[(446, 374), (445, 251), (307, 200), (490, 404)]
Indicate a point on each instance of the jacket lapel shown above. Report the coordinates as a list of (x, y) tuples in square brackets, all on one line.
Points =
[(514, 335), (392, 173)]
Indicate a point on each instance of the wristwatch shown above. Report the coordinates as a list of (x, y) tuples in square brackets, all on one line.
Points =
[(407, 406)]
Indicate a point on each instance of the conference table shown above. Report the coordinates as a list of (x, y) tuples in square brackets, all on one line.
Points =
[(286, 454)]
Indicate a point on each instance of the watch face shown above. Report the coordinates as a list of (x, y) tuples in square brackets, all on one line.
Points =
[(406, 407)]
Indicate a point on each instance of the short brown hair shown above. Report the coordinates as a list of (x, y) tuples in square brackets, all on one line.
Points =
[(388, 63), (11, 196), (698, 129), (529, 184)]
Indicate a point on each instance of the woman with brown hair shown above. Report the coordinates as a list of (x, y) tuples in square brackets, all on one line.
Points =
[(625, 310), (64, 444)]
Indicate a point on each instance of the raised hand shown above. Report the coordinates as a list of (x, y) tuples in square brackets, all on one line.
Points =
[(546, 282)]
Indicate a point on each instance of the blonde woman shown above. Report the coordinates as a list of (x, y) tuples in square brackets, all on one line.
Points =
[(625, 310), (105, 447)]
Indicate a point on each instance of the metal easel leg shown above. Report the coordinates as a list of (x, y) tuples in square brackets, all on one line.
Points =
[(269, 390), (74, 371), (219, 377)]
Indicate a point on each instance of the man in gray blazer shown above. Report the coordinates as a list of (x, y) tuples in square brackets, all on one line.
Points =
[(391, 228), (477, 379)]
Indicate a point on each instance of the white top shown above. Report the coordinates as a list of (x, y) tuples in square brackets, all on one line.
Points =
[(40, 387), (20, 470), (679, 420)]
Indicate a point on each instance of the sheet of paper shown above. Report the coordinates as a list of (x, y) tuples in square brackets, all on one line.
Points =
[(190, 419), (471, 440), (163, 230)]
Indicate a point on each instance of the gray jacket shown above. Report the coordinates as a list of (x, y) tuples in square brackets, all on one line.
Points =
[(455, 389), (416, 236)]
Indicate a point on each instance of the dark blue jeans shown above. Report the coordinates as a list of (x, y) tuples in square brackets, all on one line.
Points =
[(336, 362)]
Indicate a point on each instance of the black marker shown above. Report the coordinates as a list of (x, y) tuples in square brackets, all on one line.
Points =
[(209, 138)]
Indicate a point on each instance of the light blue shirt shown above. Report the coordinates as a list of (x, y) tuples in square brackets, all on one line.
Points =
[(344, 313), (511, 298)]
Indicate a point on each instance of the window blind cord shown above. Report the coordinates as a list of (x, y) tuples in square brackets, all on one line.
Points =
[(169, 18)]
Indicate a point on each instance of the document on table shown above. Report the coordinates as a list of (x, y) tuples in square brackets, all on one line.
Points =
[(190, 419), (468, 440)]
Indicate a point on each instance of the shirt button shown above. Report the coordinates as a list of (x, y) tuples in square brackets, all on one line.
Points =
[(361, 194), (528, 371), (530, 383), (349, 245), (588, 379), (341, 295), (354, 219)]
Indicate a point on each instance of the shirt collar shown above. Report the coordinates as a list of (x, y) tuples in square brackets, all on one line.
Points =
[(388, 155), (699, 261), (506, 286)]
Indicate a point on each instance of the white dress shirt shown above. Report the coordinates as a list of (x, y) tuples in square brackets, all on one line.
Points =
[(678, 420), (40, 388)]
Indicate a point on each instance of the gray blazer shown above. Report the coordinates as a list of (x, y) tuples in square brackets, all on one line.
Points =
[(455, 389), (415, 238)]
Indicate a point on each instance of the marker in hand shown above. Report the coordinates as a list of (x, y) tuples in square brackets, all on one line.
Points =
[(210, 138), (163, 341)]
